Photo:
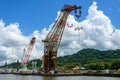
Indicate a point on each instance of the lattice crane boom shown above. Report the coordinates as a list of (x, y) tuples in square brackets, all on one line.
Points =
[(28, 50), (52, 41)]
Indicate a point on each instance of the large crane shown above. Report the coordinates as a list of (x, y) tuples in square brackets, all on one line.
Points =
[(27, 52), (53, 39)]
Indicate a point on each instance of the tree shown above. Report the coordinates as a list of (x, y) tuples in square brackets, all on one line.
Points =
[(115, 64)]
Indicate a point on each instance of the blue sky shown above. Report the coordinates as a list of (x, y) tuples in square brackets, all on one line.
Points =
[(37, 14)]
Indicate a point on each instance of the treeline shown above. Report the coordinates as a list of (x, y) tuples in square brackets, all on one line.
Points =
[(88, 58)]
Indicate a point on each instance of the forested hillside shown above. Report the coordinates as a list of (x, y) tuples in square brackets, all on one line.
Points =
[(92, 58), (88, 58)]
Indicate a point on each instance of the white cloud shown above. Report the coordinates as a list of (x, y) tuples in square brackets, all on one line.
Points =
[(97, 32), (12, 43), (89, 42)]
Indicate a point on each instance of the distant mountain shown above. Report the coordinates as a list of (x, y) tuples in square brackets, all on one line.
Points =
[(86, 56), (90, 58)]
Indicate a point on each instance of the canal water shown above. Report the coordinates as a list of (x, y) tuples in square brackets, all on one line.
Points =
[(20, 77)]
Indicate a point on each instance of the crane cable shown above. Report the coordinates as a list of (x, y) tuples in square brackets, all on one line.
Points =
[(78, 33)]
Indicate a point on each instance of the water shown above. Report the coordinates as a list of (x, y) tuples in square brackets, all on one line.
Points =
[(20, 77)]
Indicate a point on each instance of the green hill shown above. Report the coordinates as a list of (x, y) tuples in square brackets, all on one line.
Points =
[(92, 58), (88, 58)]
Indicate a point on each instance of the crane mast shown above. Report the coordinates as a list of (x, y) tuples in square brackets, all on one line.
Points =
[(53, 39), (27, 52)]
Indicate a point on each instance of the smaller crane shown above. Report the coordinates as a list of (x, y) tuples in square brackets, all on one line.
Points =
[(27, 52)]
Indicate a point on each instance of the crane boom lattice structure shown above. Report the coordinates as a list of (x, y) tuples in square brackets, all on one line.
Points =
[(27, 52), (52, 41)]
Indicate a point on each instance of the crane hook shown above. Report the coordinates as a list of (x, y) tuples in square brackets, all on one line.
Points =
[(78, 15)]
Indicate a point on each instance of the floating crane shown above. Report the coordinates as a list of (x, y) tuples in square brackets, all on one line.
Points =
[(27, 52), (53, 39)]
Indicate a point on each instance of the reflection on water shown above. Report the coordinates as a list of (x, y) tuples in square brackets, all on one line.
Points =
[(49, 78), (79, 78), (20, 77)]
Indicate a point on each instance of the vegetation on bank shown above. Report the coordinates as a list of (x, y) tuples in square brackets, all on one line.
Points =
[(88, 58), (92, 59)]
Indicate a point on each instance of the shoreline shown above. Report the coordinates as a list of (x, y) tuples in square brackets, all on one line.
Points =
[(75, 74)]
